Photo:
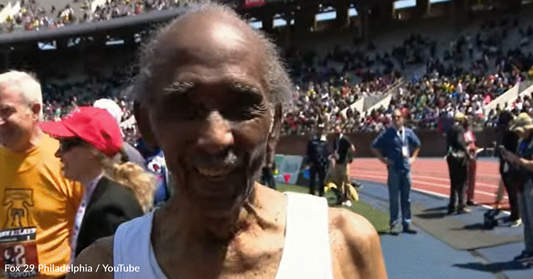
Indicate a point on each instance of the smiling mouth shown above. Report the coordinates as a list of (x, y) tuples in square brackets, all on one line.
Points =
[(217, 174)]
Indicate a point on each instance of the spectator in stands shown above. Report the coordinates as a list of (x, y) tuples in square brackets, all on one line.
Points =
[(211, 110), (114, 193), (36, 197), (393, 148), (458, 159), (523, 127)]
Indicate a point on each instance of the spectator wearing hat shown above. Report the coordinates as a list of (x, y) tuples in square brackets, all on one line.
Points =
[(523, 160), (457, 158), (114, 193), (114, 109), (508, 172)]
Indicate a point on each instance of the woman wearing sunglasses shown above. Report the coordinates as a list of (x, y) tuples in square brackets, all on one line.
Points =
[(90, 139)]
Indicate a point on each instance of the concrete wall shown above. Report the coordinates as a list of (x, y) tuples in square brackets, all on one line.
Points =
[(507, 97), (433, 144), (528, 90)]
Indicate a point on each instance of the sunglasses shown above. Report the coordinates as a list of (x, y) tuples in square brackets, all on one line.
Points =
[(67, 144)]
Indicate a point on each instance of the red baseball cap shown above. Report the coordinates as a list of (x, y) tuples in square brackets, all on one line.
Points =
[(93, 125)]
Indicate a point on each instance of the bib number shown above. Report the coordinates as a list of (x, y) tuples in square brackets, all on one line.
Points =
[(18, 253)]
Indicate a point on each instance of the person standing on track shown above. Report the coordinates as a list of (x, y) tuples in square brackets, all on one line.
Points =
[(523, 127), (470, 140), (508, 172), (317, 159), (392, 147), (457, 159), (343, 153)]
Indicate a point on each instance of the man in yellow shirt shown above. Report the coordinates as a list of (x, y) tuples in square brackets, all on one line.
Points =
[(38, 206)]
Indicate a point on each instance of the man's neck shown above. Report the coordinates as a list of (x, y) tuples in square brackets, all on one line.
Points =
[(32, 142), (398, 128), (192, 223)]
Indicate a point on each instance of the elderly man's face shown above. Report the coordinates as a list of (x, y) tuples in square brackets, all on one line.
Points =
[(209, 110), (17, 119)]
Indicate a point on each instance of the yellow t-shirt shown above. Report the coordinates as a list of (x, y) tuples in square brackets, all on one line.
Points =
[(37, 213)]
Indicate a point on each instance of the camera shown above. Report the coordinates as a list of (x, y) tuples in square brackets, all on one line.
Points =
[(499, 151)]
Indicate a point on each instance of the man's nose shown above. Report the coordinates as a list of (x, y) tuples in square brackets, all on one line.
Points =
[(215, 133), (58, 153)]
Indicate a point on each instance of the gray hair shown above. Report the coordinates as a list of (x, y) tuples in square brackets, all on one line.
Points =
[(27, 85), (278, 82)]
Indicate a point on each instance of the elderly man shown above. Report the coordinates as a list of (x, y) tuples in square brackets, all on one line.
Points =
[(208, 89), (39, 205)]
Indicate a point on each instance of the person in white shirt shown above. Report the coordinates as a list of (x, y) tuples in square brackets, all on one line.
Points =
[(208, 92)]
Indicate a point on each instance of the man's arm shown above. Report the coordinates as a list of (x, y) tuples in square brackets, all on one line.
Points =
[(376, 146), (378, 154), (415, 142), (97, 255), (356, 248), (414, 156)]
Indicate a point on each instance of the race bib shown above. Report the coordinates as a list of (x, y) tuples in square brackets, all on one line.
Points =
[(405, 152), (18, 252)]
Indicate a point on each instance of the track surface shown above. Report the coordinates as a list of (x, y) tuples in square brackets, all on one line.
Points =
[(431, 176)]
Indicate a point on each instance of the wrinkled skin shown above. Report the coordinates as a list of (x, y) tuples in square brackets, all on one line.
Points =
[(208, 110)]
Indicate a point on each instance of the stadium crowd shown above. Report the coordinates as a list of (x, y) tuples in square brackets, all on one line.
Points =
[(462, 76), (31, 16)]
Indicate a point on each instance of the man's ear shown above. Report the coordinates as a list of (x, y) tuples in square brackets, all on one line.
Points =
[(143, 124), (36, 110), (275, 127)]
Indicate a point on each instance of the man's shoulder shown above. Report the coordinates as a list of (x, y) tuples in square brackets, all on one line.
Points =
[(355, 245), (410, 131), (95, 256), (354, 228)]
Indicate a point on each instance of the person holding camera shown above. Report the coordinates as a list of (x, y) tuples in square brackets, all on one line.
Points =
[(392, 147), (509, 142), (523, 160)]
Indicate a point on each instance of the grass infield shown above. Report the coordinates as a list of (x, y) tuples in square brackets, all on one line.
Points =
[(378, 218)]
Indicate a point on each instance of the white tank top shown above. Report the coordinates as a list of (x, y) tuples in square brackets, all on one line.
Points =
[(306, 253)]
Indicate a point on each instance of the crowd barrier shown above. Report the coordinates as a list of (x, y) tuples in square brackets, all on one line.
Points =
[(433, 143)]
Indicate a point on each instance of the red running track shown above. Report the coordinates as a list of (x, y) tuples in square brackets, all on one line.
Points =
[(431, 176)]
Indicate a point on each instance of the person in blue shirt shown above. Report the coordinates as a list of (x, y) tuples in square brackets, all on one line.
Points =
[(393, 147)]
